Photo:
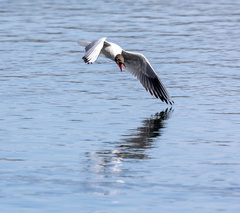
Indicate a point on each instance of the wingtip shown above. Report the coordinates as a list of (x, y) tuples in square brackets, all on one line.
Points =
[(171, 102), (85, 59)]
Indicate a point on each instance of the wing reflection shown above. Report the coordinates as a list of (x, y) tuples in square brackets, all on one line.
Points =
[(109, 161), (142, 138)]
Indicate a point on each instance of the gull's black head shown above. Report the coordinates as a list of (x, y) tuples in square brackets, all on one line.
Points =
[(120, 61)]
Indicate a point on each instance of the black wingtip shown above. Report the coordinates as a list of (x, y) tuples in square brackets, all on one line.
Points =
[(160, 92), (85, 59), (171, 102)]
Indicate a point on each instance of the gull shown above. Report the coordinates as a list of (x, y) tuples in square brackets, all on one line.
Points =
[(135, 63)]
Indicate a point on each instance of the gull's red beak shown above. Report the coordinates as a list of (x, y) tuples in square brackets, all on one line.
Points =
[(120, 65)]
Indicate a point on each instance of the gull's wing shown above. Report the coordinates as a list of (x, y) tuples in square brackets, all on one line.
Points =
[(92, 49), (139, 66)]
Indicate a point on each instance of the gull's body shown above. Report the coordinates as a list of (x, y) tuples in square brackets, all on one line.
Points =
[(135, 63)]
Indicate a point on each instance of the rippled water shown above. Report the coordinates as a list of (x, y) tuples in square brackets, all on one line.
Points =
[(88, 138)]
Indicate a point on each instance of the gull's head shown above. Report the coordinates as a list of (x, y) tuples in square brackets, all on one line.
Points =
[(120, 61)]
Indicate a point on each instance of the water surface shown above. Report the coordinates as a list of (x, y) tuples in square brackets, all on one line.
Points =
[(88, 138)]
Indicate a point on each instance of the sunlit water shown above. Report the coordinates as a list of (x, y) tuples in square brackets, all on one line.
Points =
[(88, 138)]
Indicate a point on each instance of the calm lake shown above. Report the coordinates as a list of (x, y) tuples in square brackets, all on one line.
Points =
[(87, 138)]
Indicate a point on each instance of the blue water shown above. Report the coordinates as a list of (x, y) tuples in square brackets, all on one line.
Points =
[(88, 138)]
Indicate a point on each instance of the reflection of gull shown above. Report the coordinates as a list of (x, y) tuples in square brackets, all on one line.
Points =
[(108, 164), (142, 138), (150, 128)]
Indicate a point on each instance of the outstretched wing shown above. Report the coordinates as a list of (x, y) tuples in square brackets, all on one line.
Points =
[(139, 66), (92, 49)]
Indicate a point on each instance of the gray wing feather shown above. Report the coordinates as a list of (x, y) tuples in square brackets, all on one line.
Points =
[(139, 66)]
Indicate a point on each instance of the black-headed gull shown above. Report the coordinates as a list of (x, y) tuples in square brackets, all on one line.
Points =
[(135, 63)]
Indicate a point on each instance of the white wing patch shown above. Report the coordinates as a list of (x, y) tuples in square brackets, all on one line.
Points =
[(93, 50)]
